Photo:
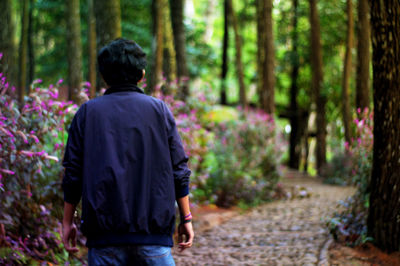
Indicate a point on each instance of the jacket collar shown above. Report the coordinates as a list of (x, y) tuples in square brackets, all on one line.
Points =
[(123, 87)]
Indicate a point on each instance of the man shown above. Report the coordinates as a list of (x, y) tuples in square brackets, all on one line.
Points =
[(126, 161)]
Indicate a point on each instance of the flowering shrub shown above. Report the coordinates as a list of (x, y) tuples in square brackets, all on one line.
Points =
[(350, 225), (31, 144)]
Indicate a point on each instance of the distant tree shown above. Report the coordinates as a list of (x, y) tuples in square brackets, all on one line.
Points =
[(176, 7), (74, 48), (7, 34), (316, 85), (158, 44), (91, 48), (31, 45), (225, 43), (169, 62), (23, 50), (384, 211), (363, 55), (266, 55), (295, 136), (238, 46), (347, 71), (108, 24)]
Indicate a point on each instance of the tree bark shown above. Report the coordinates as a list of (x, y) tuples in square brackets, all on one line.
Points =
[(384, 211), (238, 46), (363, 56), (169, 65), (74, 49), (295, 137), (23, 50), (316, 85), (31, 45), (180, 46), (225, 43), (108, 24), (7, 46), (158, 34), (91, 48), (266, 55), (347, 72), (209, 18)]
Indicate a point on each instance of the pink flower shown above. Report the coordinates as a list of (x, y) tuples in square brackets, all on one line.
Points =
[(60, 81), (87, 84), (27, 153), (8, 172), (1, 55)]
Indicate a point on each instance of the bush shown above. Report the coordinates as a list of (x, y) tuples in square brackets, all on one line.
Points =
[(350, 225), (32, 140)]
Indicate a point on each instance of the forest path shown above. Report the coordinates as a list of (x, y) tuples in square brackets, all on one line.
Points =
[(287, 232)]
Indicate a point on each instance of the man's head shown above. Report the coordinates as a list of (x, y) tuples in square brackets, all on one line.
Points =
[(121, 61)]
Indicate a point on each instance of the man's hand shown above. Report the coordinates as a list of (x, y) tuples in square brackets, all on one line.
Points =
[(187, 231), (69, 235)]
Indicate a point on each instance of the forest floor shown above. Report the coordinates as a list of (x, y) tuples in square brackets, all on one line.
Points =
[(285, 232)]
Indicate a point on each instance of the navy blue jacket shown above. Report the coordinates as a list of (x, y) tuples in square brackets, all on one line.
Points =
[(126, 161)]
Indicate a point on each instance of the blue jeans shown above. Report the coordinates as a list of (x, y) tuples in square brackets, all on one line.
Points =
[(130, 255)]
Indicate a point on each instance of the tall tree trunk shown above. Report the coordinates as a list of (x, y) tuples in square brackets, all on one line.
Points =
[(7, 46), (108, 24), (23, 50), (74, 49), (31, 45), (295, 137), (238, 46), (225, 43), (317, 79), (347, 72), (266, 55), (363, 55), (384, 210), (91, 48), (180, 45), (209, 18), (158, 43), (169, 65)]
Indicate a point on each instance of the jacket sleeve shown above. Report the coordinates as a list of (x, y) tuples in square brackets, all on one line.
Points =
[(178, 157), (73, 159)]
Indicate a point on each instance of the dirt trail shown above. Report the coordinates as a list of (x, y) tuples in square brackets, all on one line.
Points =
[(287, 232)]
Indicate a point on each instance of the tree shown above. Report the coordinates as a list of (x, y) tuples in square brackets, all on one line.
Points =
[(108, 24), (158, 43), (225, 43), (176, 7), (316, 85), (91, 48), (74, 49), (363, 55), (31, 46), (266, 55), (384, 211), (23, 50), (7, 33), (238, 46), (347, 72), (169, 65)]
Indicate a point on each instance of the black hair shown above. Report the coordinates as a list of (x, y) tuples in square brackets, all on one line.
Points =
[(121, 61)]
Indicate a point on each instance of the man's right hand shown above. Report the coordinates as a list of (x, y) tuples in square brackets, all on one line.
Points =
[(185, 236), (69, 234)]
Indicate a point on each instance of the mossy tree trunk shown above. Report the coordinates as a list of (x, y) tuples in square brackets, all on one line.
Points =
[(384, 211), (316, 85), (238, 55), (74, 49), (363, 56), (266, 56), (180, 45), (7, 45), (169, 62), (346, 116), (225, 44), (91, 48), (23, 51), (108, 24), (157, 45)]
